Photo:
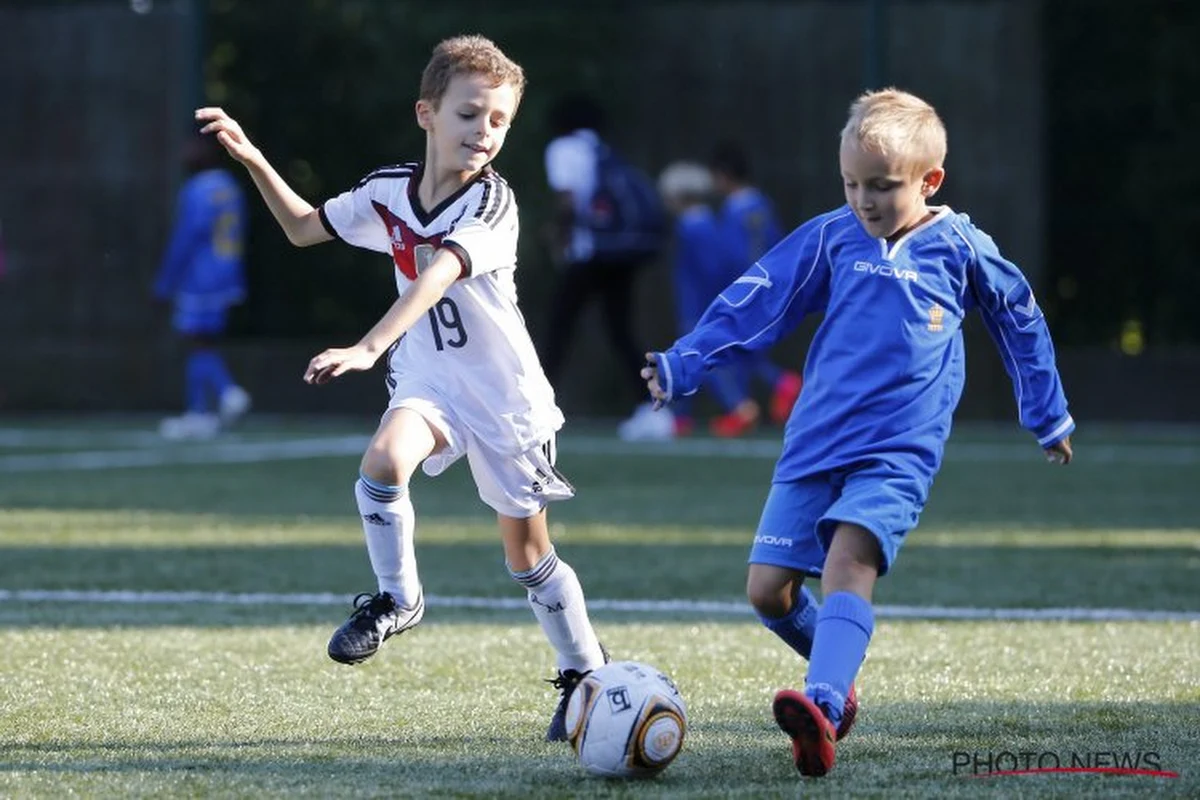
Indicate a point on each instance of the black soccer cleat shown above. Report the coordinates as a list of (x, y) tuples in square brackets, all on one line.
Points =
[(566, 682), (375, 619)]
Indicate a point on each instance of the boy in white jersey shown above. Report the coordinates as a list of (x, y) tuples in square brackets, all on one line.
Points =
[(895, 277), (463, 375)]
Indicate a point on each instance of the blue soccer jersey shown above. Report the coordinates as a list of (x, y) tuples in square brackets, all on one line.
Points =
[(886, 367), (698, 270), (748, 227), (202, 268)]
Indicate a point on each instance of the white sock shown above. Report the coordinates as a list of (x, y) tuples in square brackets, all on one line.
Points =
[(557, 601), (389, 524)]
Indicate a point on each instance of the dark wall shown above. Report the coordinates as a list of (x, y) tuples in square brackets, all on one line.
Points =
[(1123, 211), (88, 140), (88, 155)]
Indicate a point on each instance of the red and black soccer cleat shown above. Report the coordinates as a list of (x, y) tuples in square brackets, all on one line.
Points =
[(849, 712), (738, 422), (813, 736), (731, 426)]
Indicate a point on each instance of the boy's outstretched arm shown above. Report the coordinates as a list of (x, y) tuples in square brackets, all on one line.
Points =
[(427, 289), (752, 313), (1015, 322), (299, 220)]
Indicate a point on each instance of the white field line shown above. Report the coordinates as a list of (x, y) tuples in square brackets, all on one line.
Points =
[(207, 453), (702, 607), (155, 454)]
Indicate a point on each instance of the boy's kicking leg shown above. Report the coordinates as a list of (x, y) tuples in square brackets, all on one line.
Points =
[(556, 597), (787, 608), (518, 490), (843, 629), (786, 549)]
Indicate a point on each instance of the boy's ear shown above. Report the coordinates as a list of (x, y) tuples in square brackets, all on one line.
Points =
[(425, 115), (931, 181)]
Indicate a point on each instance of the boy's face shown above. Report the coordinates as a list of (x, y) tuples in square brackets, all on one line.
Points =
[(467, 129), (885, 193)]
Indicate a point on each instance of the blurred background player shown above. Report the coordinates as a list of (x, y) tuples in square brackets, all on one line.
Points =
[(607, 225), (749, 228), (698, 276), (201, 276), (463, 376)]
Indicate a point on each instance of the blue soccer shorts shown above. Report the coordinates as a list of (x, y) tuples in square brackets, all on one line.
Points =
[(800, 517), (199, 323)]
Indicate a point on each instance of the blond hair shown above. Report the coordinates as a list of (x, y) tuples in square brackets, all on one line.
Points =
[(897, 125), (469, 55)]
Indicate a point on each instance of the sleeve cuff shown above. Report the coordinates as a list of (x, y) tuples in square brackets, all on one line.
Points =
[(325, 222), (1060, 430), (666, 378), (461, 254)]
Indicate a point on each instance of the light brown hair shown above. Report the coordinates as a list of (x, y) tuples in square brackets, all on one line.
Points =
[(469, 55)]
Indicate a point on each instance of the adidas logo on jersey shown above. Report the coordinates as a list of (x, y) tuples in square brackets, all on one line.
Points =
[(886, 270)]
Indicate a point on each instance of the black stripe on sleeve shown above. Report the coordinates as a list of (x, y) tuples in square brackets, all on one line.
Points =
[(491, 213), (508, 200), (485, 199), (463, 257), (325, 221), (488, 210)]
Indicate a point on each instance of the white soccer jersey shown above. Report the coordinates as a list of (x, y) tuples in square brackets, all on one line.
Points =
[(472, 349)]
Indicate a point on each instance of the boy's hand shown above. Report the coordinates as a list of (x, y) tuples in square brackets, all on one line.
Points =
[(650, 374), (228, 133), (338, 361), (1060, 452)]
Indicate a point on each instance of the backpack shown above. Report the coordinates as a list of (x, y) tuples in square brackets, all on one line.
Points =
[(627, 219)]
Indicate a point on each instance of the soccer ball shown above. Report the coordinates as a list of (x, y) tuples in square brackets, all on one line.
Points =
[(626, 720)]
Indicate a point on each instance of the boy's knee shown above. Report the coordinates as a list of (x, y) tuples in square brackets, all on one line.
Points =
[(770, 590), (853, 562), (380, 463)]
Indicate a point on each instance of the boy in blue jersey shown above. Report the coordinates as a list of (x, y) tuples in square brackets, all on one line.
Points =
[(698, 275), (894, 277), (201, 276), (749, 228)]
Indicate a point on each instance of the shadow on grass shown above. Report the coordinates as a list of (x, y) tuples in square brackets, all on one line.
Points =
[(897, 750)]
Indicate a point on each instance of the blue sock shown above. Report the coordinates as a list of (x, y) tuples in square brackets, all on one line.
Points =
[(766, 370), (798, 625), (208, 377), (682, 406), (844, 626), (195, 386), (725, 385)]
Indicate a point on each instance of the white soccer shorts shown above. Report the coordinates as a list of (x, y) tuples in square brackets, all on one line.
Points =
[(517, 486)]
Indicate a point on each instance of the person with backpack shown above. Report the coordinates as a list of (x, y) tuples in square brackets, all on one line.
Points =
[(608, 223)]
